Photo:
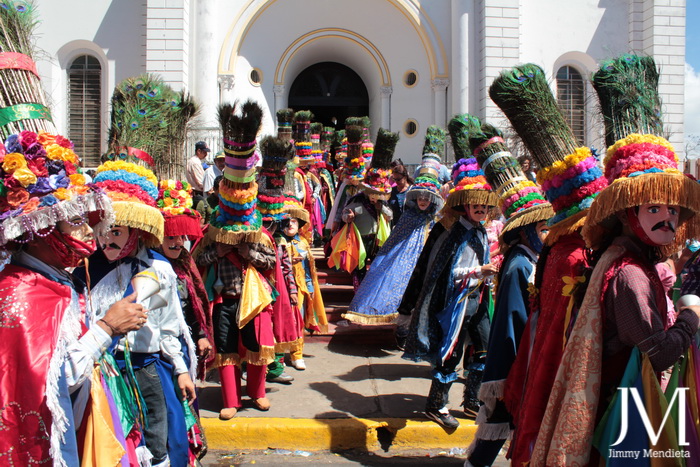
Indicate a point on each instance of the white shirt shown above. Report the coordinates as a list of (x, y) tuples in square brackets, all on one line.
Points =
[(164, 326), (195, 173), (468, 264), (209, 176)]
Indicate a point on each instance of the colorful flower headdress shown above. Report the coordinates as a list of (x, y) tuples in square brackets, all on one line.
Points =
[(470, 185), (133, 190), (316, 150), (520, 200), (175, 202), (377, 176), (237, 219), (640, 168), (275, 155), (569, 174), (41, 185)]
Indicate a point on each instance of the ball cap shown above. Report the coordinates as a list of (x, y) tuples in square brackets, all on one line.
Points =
[(201, 145)]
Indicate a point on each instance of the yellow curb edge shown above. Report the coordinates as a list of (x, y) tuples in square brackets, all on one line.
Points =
[(333, 434)]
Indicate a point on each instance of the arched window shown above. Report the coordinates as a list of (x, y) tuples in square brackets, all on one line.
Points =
[(570, 95), (84, 108)]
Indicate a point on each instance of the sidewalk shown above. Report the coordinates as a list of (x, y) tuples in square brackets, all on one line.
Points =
[(357, 392)]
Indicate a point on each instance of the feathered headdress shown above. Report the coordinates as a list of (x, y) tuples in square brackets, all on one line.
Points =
[(569, 175), (377, 176), (302, 137), (470, 185), (426, 183), (285, 117), (237, 219), (148, 122), (316, 150), (640, 168), (520, 200), (354, 161), (271, 199)]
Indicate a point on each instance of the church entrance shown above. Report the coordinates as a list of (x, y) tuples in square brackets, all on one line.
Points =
[(332, 92)]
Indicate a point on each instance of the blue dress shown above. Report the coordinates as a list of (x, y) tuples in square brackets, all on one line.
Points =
[(379, 295)]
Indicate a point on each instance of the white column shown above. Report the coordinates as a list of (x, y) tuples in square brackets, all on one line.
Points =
[(226, 84), (439, 86), (280, 103), (385, 92), (461, 11), (205, 67)]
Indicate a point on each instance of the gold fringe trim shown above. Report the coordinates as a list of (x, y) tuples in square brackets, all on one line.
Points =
[(140, 216), (281, 347), (223, 359), (475, 196), (262, 358), (297, 212), (531, 215), (360, 318), (568, 226), (234, 238), (662, 188)]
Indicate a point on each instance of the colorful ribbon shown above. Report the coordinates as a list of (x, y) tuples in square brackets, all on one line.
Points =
[(19, 112)]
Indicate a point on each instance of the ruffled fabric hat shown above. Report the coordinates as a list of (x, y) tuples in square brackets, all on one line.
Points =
[(133, 190), (271, 199), (520, 200), (469, 183), (237, 219), (569, 173), (425, 184), (175, 202), (376, 181), (41, 185)]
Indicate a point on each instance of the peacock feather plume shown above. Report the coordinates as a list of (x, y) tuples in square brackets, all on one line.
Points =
[(461, 127), (384, 149), (525, 97), (627, 88), (434, 141)]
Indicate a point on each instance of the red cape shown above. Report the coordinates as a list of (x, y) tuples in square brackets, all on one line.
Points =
[(31, 311)]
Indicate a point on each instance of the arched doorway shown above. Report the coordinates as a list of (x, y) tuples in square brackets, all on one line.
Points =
[(329, 90)]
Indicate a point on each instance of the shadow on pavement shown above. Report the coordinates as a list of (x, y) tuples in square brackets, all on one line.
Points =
[(356, 405)]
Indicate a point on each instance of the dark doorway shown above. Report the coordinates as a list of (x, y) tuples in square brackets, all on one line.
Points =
[(329, 89)]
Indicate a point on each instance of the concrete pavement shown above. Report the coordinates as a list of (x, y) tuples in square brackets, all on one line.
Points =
[(356, 393)]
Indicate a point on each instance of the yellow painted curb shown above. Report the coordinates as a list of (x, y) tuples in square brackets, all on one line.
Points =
[(332, 434)]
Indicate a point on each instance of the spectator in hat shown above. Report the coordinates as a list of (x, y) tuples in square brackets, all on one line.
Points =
[(214, 171)]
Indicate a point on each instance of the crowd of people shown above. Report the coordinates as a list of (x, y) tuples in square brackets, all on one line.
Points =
[(550, 291)]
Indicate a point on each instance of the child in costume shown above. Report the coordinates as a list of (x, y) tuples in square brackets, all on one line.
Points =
[(353, 172), (156, 350), (309, 297), (379, 295), (624, 311), (570, 179), (237, 256), (521, 240), (288, 324), (368, 210), (448, 312)]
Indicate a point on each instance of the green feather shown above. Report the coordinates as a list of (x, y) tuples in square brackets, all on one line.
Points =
[(524, 95), (461, 127), (434, 141), (627, 88), (384, 149)]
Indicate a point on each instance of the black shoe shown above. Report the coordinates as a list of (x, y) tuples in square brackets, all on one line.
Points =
[(284, 379), (444, 419)]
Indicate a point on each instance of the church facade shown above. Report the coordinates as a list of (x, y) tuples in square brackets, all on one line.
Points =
[(405, 63)]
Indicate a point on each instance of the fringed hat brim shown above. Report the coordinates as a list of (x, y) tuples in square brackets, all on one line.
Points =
[(672, 189), (531, 215), (298, 213), (140, 216), (568, 226), (228, 237), (458, 199), (373, 191), (183, 225)]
